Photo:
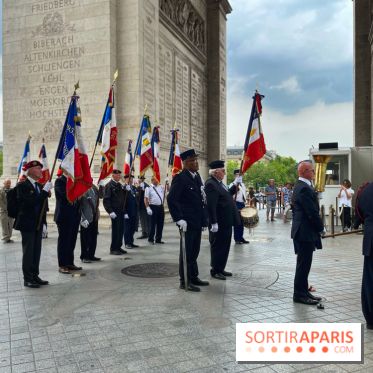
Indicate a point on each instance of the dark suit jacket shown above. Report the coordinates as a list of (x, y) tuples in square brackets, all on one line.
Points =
[(365, 207), (220, 204), (114, 198), (29, 204), (130, 207), (307, 224), (64, 211), (185, 200)]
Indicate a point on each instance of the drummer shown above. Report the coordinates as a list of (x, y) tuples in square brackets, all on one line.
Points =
[(240, 200)]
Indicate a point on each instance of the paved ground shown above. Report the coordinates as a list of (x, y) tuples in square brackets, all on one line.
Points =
[(109, 322)]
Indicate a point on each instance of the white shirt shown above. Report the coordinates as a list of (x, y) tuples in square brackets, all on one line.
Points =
[(33, 182), (343, 200), (241, 194), (152, 196)]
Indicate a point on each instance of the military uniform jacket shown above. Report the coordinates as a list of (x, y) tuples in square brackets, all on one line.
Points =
[(29, 203), (307, 224), (114, 197), (220, 204), (365, 208), (185, 200), (64, 209), (130, 207)]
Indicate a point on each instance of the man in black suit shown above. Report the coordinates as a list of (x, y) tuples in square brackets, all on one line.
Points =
[(364, 214), (306, 231), (186, 204), (30, 199), (114, 205), (67, 217), (223, 215), (130, 212)]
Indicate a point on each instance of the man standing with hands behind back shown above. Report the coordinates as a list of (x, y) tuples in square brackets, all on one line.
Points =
[(186, 203), (306, 231)]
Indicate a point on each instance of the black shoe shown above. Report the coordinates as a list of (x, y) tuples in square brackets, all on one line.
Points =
[(190, 287), (31, 284), (305, 300), (39, 281), (244, 241), (226, 274), (151, 242), (198, 282), (116, 252), (238, 243), (94, 259), (122, 251), (314, 297), (160, 242), (134, 246), (141, 237), (9, 241), (86, 260), (218, 276)]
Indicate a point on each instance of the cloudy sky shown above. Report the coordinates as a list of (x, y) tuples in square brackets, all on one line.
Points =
[(299, 54)]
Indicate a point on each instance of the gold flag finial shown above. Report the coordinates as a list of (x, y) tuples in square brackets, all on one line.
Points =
[(76, 85), (115, 76)]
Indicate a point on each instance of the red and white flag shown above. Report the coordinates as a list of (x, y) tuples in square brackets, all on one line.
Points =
[(128, 160), (144, 147), (174, 161), (44, 161), (156, 150)]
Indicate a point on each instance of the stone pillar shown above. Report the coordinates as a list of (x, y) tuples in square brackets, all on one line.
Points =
[(216, 72), (363, 73)]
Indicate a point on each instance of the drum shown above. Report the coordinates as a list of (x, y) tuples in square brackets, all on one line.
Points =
[(249, 217)]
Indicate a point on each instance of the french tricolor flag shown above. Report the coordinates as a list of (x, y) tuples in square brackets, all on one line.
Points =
[(128, 160), (44, 161)]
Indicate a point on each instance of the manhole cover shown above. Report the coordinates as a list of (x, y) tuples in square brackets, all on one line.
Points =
[(152, 270)]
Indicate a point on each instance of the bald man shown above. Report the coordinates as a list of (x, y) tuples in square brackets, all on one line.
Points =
[(306, 231)]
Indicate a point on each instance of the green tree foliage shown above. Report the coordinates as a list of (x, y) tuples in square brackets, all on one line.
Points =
[(282, 169)]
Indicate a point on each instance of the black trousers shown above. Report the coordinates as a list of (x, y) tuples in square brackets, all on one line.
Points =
[(67, 235), (220, 243), (156, 223), (304, 262), (31, 247), (117, 229), (129, 229), (192, 247), (346, 217), (88, 240), (144, 220), (367, 289)]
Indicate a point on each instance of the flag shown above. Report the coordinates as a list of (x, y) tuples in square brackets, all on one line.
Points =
[(128, 160), (73, 155), (44, 161), (25, 158), (143, 146), (107, 137), (255, 147), (155, 149), (174, 160)]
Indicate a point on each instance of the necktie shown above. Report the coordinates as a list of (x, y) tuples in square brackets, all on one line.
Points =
[(37, 188)]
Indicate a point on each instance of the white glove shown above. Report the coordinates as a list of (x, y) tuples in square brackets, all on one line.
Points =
[(149, 211), (84, 223), (166, 180), (182, 224), (237, 180), (113, 215), (48, 186), (214, 228), (126, 216), (323, 232), (142, 185), (128, 188)]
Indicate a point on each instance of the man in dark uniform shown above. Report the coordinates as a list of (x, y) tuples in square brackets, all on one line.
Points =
[(30, 199), (364, 214), (223, 215), (306, 231), (186, 204), (130, 212), (143, 215), (114, 205), (67, 217)]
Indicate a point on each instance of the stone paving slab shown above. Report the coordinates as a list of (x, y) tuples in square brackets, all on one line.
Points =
[(109, 322)]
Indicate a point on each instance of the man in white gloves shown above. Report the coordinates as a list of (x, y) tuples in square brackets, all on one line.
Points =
[(154, 196), (30, 199), (114, 205), (187, 208), (223, 215)]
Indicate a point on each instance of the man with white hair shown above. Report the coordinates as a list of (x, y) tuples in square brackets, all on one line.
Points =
[(223, 215), (30, 200), (6, 221)]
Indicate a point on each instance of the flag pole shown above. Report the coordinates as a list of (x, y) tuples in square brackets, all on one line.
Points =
[(102, 127), (44, 206)]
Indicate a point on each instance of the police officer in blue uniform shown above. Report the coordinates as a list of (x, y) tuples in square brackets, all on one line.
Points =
[(130, 212), (187, 207)]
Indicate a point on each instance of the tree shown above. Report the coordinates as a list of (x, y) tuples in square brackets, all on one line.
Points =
[(282, 169)]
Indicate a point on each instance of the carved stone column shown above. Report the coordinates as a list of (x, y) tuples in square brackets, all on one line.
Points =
[(216, 72)]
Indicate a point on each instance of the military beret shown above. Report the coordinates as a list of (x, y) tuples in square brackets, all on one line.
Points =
[(216, 164), (31, 164), (190, 153), (116, 171), (237, 171)]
